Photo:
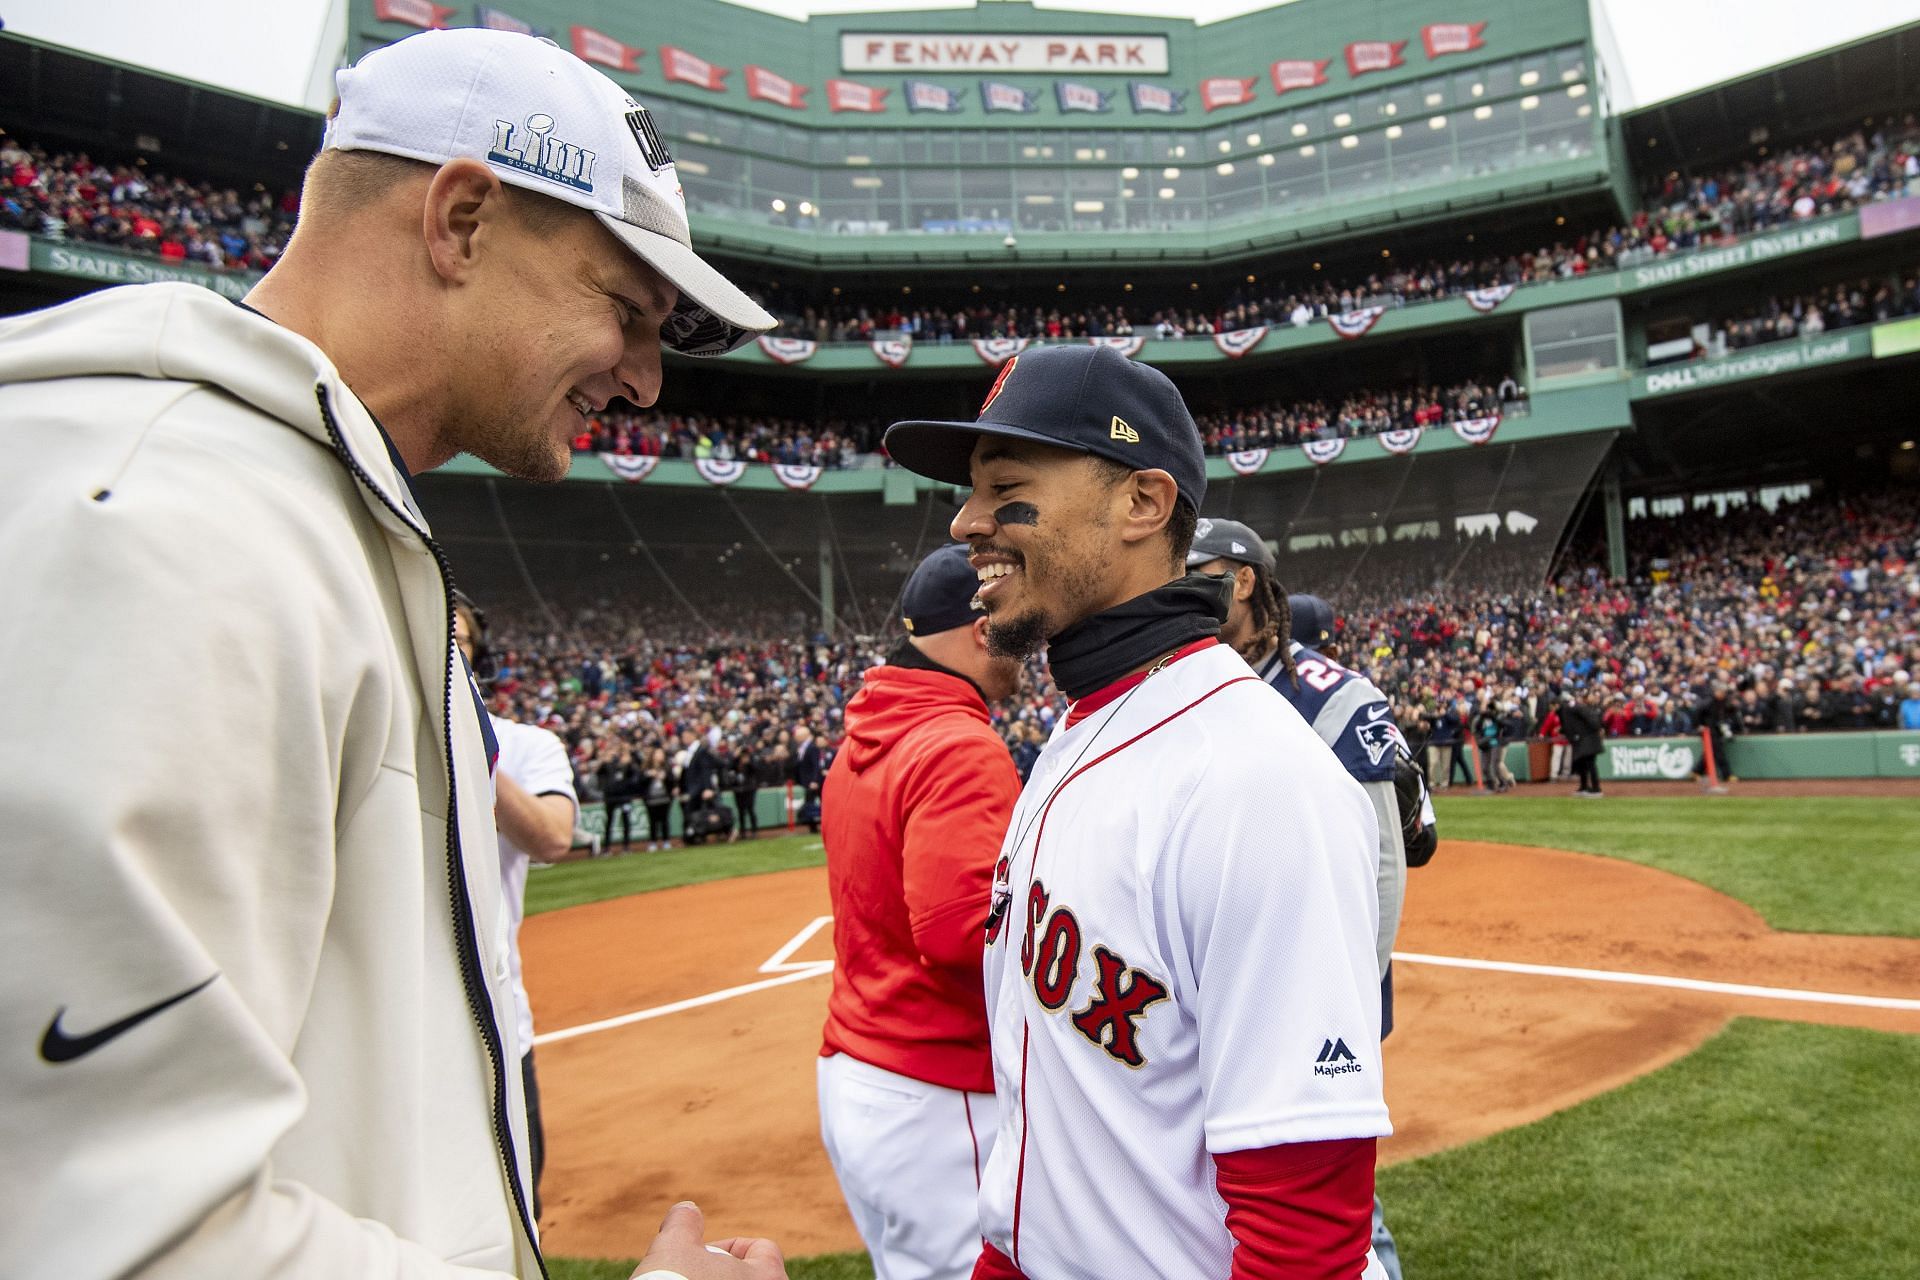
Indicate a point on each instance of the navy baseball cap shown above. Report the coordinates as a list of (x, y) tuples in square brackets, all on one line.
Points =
[(1089, 399), (1312, 619), (1228, 540), (939, 594)]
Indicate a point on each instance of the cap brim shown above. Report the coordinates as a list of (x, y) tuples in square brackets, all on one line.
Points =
[(713, 316), (943, 451)]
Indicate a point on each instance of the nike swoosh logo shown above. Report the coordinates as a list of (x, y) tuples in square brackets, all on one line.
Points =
[(56, 1046), (1377, 712)]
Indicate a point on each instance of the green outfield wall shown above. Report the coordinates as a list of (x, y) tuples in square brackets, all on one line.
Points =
[(1872, 754)]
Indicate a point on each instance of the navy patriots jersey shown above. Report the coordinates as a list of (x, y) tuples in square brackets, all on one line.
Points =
[(1345, 709)]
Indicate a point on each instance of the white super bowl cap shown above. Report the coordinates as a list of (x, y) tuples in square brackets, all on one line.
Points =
[(547, 122)]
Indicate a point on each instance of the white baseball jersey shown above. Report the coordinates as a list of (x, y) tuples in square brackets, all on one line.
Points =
[(537, 760), (1181, 964)]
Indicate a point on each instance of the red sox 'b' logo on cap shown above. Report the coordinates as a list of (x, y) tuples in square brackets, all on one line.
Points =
[(999, 382)]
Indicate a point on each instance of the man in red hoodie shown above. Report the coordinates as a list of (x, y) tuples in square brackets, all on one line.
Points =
[(913, 813)]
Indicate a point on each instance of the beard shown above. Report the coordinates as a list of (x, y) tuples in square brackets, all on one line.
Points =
[(1020, 636), (518, 449)]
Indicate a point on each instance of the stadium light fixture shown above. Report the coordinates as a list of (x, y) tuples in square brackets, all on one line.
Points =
[(1560, 220), (1127, 287), (1038, 197), (1530, 103), (1083, 153), (1299, 129), (1030, 153), (1166, 193), (1393, 132), (1529, 78), (1906, 444), (1194, 285), (1253, 139), (1170, 173), (853, 160), (1180, 152), (779, 205), (1483, 113), (1224, 168), (1316, 266), (1306, 152), (1225, 146), (694, 167), (1434, 99), (1088, 206), (806, 208), (1586, 109), (869, 182), (1577, 91), (1341, 120), (1349, 142), (1389, 108), (1129, 173), (1267, 159), (1061, 287), (1438, 122), (1479, 90), (1251, 279), (1126, 193), (1569, 75)]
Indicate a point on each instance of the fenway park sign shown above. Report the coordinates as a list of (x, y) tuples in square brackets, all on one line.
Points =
[(968, 51)]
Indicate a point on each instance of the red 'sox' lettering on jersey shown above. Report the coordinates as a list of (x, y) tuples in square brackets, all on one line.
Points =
[(1123, 994)]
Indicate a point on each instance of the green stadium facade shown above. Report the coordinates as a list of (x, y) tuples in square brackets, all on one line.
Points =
[(1073, 158)]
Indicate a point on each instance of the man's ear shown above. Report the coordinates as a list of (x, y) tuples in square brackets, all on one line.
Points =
[(465, 212), (980, 633), (1150, 499), (1243, 583)]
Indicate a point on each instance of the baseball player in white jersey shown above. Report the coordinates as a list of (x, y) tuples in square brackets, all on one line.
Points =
[(535, 808), (1181, 987), (1349, 713)]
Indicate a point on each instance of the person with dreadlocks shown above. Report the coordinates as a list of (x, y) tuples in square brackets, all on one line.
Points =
[(1273, 632)]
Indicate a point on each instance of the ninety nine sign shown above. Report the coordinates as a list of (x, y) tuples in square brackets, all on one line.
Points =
[(1085, 55)]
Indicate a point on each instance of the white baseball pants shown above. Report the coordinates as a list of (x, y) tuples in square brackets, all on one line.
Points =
[(908, 1156)]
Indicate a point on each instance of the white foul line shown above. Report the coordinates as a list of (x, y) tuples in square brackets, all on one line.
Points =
[(1660, 980), (778, 963)]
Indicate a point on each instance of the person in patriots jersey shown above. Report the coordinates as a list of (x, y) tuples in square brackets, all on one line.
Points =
[(1181, 989), (1349, 713)]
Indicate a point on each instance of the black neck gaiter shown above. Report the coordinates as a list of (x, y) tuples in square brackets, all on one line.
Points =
[(1094, 652)]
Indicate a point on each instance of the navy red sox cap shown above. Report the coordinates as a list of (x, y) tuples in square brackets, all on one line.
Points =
[(939, 595), (1312, 620), (1228, 540), (1089, 399)]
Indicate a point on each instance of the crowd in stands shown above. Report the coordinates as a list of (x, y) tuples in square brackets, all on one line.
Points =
[(833, 444), (840, 444), (1868, 300), (69, 196), (1678, 213), (1808, 617)]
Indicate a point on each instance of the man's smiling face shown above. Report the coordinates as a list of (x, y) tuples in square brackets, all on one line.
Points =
[(1041, 527)]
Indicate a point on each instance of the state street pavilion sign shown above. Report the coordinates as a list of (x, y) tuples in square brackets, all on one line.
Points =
[(872, 51)]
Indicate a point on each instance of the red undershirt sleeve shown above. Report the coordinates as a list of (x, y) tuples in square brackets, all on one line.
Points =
[(1303, 1211)]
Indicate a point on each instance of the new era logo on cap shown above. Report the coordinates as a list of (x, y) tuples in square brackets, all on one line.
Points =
[(1088, 399), (546, 121)]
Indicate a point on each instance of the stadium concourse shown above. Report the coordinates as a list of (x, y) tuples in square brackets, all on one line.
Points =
[(1809, 613)]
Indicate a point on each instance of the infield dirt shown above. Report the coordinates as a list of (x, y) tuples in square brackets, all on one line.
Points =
[(716, 1103)]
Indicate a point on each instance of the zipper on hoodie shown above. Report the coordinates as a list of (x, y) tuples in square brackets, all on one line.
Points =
[(465, 939)]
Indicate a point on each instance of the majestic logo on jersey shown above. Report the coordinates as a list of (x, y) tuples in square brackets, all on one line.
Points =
[(1050, 957), (1335, 1059), (1122, 994), (1121, 431), (1378, 737)]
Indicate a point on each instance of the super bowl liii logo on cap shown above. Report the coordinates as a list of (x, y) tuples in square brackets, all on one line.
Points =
[(542, 154)]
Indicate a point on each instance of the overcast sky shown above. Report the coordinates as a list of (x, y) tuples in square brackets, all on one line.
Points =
[(1666, 47)]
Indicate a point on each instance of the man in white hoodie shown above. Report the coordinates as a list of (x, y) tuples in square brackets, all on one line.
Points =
[(257, 1009)]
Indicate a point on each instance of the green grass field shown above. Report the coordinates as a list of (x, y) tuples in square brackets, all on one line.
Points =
[(1777, 1150), (1813, 865)]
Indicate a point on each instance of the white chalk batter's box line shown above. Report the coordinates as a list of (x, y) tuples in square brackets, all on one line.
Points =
[(788, 970)]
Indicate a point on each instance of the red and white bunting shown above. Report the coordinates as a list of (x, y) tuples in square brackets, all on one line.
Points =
[(1487, 299), (1477, 430), (1321, 452), (893, 352), (788, 350), (720, 471), (1299, 73), (1127, 344), (1452, 37), (415, 13), (1226, 91), (631, 467), (1246, 462), (796, 475), (687, 68), (851, 95), (768, 86), (597, 46), (1237, 342), (1375, 55), (1355, 324), (998, 350), (1400, 439)]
